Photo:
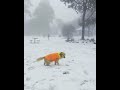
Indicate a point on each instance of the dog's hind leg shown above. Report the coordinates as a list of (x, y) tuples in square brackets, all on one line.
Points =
[(46, 62)]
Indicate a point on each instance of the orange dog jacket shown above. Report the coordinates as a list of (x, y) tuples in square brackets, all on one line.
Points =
[(53, 57)]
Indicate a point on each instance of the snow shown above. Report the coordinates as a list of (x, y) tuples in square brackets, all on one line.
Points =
[(76, 72)]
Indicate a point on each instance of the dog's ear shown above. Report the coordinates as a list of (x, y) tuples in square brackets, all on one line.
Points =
[(60, 53)]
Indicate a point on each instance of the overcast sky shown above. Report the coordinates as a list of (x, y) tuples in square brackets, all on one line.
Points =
[(61, 11)]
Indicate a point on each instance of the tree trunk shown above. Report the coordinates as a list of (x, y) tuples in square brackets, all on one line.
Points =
[(83, 21), (88, 31)]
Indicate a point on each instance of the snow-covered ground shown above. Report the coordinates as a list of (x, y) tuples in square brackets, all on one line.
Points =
[(76, 72)]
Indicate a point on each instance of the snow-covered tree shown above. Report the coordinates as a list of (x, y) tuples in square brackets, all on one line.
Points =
[(82, 6), (42, 17)]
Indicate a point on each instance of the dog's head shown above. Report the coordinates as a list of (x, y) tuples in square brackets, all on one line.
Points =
[(62, 54)]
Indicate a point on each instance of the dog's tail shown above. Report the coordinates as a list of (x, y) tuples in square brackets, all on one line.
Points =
[(39, 59)]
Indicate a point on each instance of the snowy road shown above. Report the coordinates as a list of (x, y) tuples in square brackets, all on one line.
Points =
[(76, 72)]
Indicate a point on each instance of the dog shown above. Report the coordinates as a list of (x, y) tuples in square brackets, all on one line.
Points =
[(53, 57)]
